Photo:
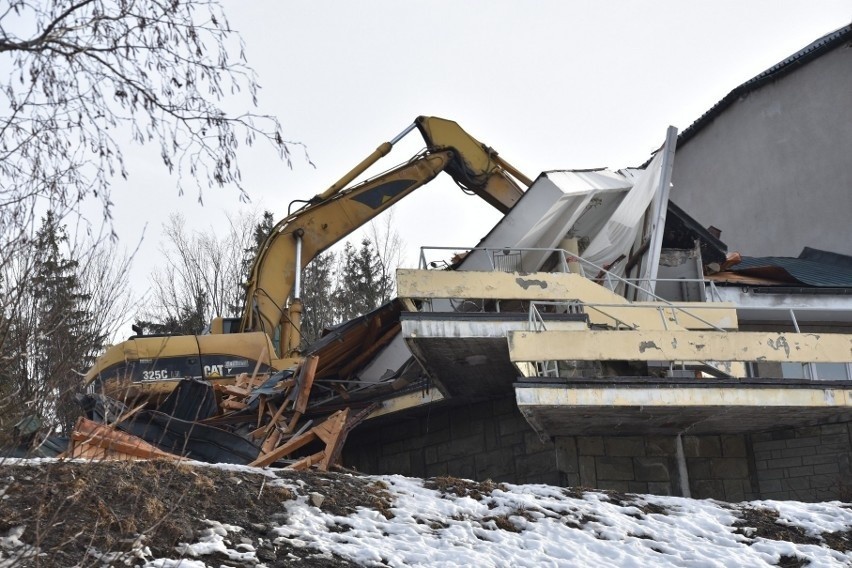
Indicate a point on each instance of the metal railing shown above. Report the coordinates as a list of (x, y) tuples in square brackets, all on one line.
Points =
[(506, 259), (564, 259)]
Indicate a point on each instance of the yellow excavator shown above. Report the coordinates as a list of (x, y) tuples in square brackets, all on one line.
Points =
[(267, 337)]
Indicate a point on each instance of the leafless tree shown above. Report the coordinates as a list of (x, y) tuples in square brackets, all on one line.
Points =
[(202, 275), (389, 248), (82, 73), (80, 80), (105, 283)]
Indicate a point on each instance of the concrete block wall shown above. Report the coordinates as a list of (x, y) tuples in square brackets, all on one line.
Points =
[(805, 464), (492, 440), (719, 467), (631, 464), (484, 440)]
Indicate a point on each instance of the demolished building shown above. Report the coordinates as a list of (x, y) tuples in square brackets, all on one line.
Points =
[(598, 335), (556, 377), (768, 164), (760, 425)]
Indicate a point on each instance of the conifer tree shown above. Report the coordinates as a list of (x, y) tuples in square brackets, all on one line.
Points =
[(52, 337), (318, 285), (362, 286)]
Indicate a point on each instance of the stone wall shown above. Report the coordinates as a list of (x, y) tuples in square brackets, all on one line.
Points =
[(492, 440), (805, 464), (485, 440), (719, 467)]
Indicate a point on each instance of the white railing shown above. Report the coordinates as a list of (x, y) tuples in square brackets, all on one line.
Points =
[(506, 259), (564, 258)]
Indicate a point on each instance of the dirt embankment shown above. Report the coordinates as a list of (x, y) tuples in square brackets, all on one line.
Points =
[(69, 514)]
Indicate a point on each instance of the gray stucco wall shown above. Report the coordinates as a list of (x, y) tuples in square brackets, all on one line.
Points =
[(491, 440), (774, 170)]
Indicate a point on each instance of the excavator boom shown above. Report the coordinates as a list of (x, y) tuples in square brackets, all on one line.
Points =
[(336, 212), (147, 364), (475, 166), (303, 235)]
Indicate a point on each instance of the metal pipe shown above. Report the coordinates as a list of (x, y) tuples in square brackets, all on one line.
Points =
[(403, 134), (512, 170), (682, 469), (297, 282), (378, 153), (661, 200)]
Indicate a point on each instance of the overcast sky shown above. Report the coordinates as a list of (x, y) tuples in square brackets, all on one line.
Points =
[(548, 84)]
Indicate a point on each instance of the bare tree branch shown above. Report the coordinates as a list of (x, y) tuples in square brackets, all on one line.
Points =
[(201, 276), (85, 73)]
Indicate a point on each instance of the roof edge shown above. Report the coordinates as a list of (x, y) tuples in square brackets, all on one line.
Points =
[(815, 49)]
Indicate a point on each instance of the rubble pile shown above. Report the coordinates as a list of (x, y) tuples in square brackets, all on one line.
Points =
[(258, 420)]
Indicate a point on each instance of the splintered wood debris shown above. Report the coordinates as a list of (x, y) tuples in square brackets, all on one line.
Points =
[(267, 410)]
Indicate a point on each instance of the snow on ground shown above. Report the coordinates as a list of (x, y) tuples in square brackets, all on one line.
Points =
[(547, 527), (399, 521)]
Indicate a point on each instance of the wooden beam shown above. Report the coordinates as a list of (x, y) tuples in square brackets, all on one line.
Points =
[(281, 451), (129, 414), (306, 381), (307, 461), (351, 422), (273, 422), (261, 408), (271, 441), (86, 432), (233, 405), (235, 390), (369, 352), (329, 432), (263, 353)]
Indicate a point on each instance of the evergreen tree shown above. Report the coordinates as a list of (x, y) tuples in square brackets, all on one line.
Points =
[(52, 338), (190, 320), (363, 285), (318, 285), (261, 230)]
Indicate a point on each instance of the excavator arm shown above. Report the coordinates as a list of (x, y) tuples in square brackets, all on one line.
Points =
[(475, 167), (330, 216), (149, 366)]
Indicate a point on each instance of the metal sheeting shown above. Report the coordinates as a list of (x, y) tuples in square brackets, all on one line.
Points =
[(805, 271), (191, 400), (182, 437), (573, 182), (590, 198), (604, 208), (534, 204), (619, 232)]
